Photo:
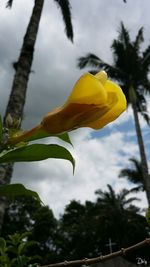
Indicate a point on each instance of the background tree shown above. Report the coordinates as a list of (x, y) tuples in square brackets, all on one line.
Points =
[(122, 222), (116, 207), (87, 228), (25, 214), (130, 68), (134, 174), (23, 65), (83, 230)]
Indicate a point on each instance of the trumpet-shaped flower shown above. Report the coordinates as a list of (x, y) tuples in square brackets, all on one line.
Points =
[(94, 102)]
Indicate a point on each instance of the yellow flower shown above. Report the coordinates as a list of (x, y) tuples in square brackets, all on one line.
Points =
[(94, 102)]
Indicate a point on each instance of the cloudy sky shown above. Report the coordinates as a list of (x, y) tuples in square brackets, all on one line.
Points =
[(99, 155)]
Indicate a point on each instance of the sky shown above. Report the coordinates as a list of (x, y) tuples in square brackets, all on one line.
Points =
[(99, 155)]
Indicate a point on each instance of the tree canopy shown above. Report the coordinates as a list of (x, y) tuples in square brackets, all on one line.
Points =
[(83, 230)]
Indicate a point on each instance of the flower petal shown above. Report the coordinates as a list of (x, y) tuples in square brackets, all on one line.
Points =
[(70, 117), (87, 90), (116, 104)]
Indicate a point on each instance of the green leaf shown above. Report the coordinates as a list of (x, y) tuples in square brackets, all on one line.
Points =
[(36, 152), (43, 134), (14, 190), (147, 215), (2, 245), (24, 245), (65, 137), (1, 128)]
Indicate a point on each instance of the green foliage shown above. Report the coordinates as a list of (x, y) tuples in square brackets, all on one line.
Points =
[(148, 215), (87, 228), (13, 251), (1, 128), (83, 230), (26, 152), (14, 190), (65, 137), (27, 214), (36, 152)]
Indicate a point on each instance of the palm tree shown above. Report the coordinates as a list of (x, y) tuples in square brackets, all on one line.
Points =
[(110, 216), (134, 174), (115, 201), (116, 212), (131, 68), (17, 97)]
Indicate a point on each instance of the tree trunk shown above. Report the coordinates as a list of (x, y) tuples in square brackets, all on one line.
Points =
[(146, 175), (23, 66), (17, 97)]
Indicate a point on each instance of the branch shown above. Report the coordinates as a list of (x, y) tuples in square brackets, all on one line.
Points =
[(101, 258)]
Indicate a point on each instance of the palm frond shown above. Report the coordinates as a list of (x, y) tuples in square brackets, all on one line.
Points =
[(9, 3), (115, 201), (120, 55), (111, 191), (124, 193), (137, 189), (146, 86), (142, 107), (124, 37), (134, 174), (131, 199), (138, 40), (146, 58), (65, 7), (136, 163), (127, 60), (89, 60), (146, 117)]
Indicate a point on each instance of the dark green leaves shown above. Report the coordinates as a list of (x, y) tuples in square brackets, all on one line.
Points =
[(36, 152), (15, 190), (65, 8)]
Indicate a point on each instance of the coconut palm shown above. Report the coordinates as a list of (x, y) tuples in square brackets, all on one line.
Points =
[(115, 201), (134, 174), (119, 216), (130, 68), (22, 67)]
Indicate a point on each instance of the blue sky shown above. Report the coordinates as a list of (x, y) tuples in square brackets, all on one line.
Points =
[(99, 155)]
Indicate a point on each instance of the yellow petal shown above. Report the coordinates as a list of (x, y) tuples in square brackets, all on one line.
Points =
[(116, 104), (69, 117), (87, 90), (101, 76)]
